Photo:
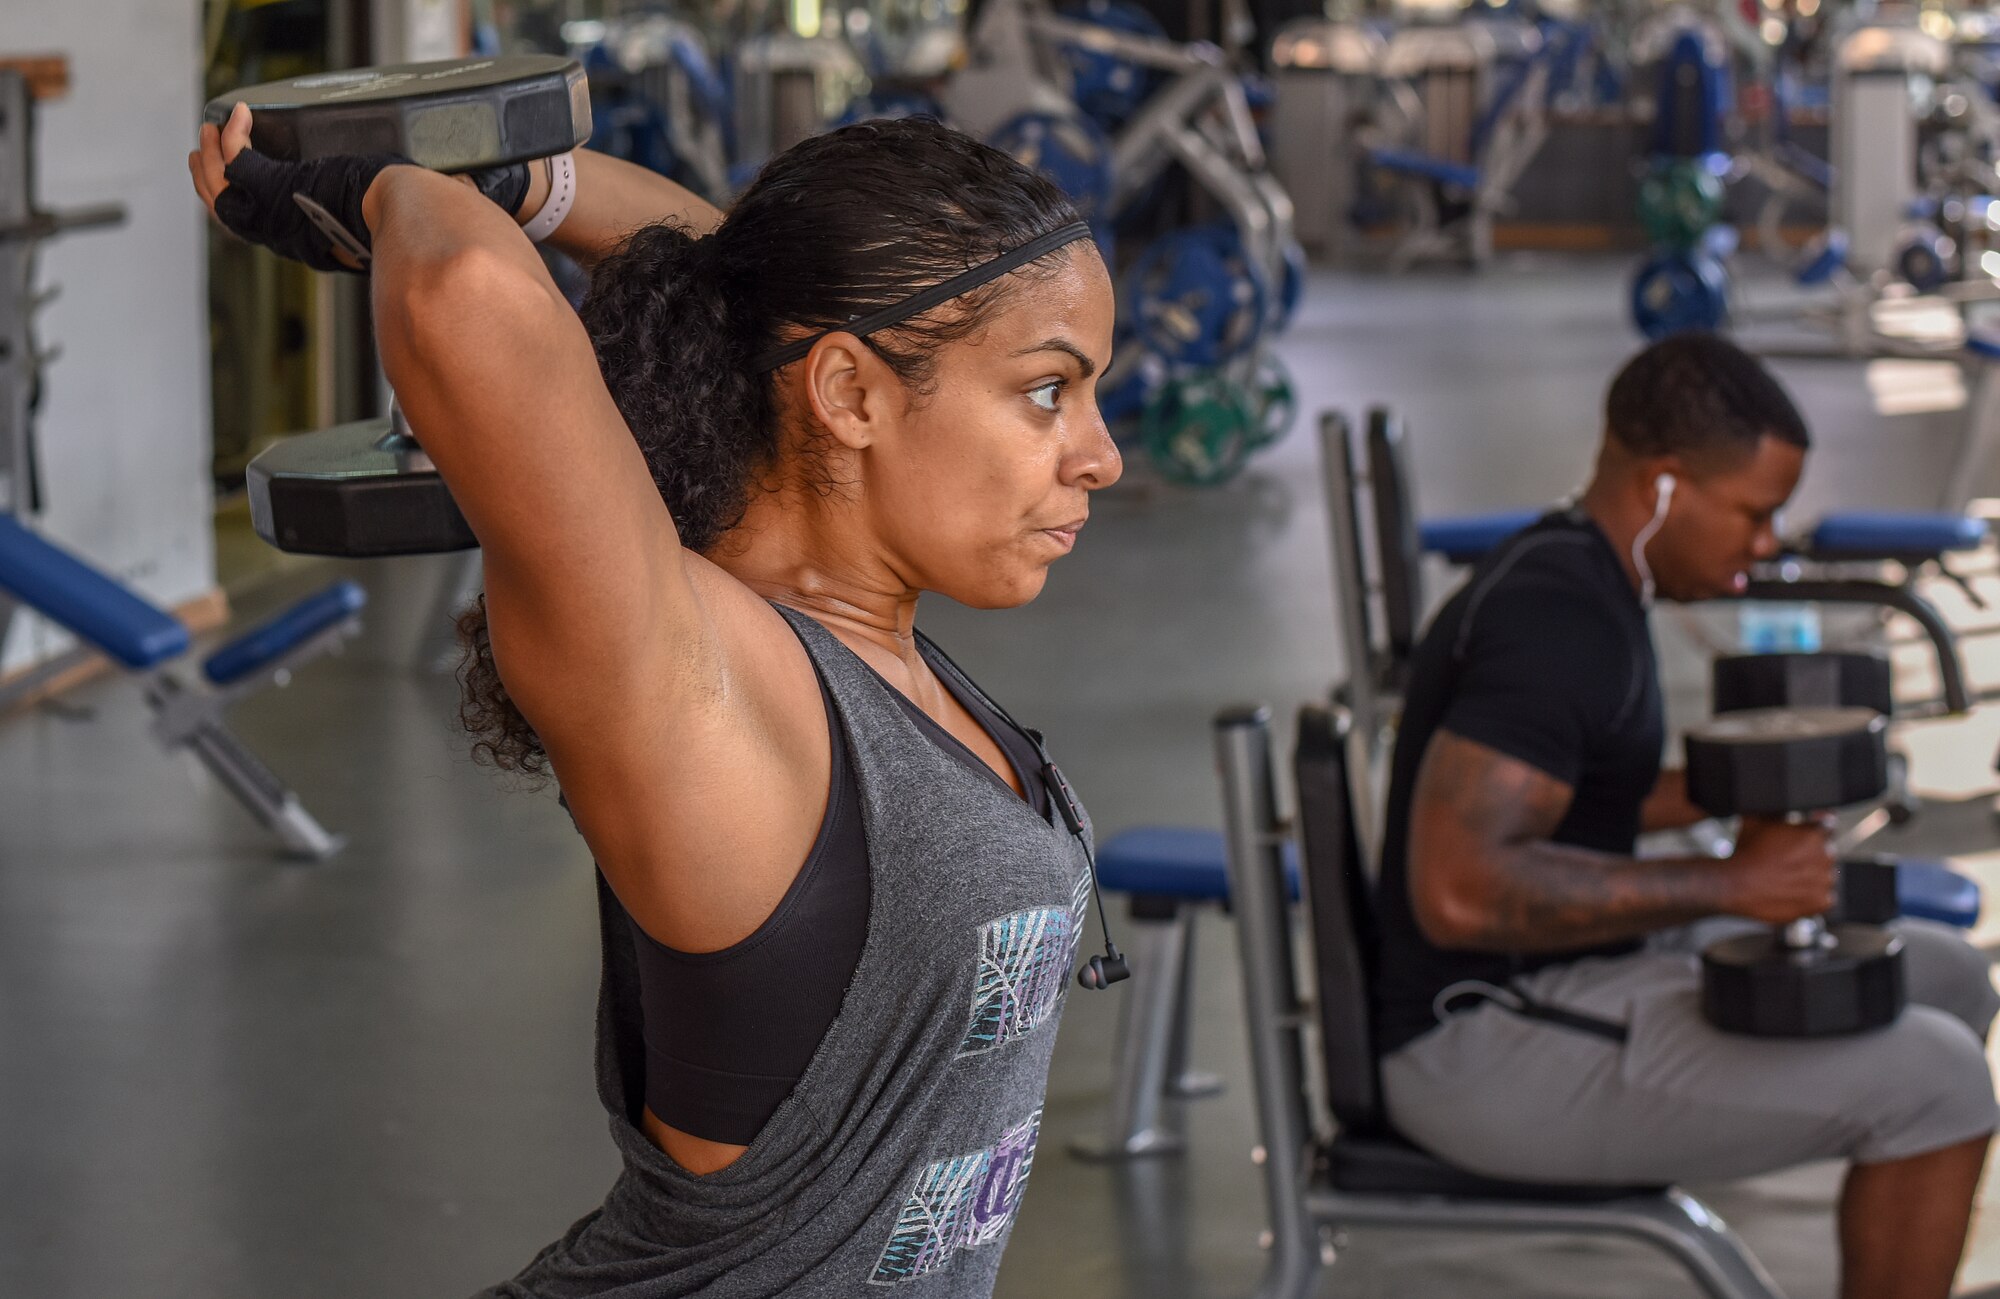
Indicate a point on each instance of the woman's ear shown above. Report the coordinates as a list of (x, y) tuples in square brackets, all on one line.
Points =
[(849, 389)]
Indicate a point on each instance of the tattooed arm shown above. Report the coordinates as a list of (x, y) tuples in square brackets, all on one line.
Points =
[(1484, 876)]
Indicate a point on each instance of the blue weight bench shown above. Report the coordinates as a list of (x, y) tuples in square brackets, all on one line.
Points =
[(1858, 536), (1464, 539), (110, 618), (1408, 162), (1912, 540), (1166, 874), (1930, 890)]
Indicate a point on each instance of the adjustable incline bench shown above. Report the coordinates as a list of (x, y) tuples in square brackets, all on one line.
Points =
[(110, 618)]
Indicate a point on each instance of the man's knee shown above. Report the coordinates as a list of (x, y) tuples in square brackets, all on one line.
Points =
[(1934, 1089), (1943, 970)]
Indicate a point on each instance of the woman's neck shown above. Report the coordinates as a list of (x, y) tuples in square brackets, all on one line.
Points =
[(802, 550)]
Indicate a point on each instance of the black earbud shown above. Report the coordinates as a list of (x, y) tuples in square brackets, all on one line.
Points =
[(1102, 971), (1099, 972), (1105, 970)]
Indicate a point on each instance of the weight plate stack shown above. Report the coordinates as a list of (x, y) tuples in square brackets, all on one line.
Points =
[(452, 115), (1676, 292)]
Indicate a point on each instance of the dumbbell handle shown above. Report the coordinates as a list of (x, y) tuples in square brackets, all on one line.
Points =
[(1804, 935), (403, 441)]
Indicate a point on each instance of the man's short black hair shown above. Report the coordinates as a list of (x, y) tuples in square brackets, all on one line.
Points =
[(1699, 397)]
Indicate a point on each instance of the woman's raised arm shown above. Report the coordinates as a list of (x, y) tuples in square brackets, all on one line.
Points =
[(599, 619), (614, 198)]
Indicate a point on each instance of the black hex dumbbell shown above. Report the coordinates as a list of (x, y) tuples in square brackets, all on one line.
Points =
[(367, 488), (1808, 978)]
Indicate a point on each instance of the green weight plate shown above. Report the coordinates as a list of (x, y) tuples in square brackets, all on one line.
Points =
[(1199, 430), (1277, 404), (453, 115), (1679, 202)]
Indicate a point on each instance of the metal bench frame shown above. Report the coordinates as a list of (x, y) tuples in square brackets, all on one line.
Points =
[(1306, 1207)]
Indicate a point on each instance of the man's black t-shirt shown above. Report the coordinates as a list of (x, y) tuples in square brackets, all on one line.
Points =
[(1544, 655)]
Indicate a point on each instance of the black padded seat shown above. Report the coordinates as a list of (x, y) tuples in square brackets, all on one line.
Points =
[(1368, 1157), (1389, 1165)]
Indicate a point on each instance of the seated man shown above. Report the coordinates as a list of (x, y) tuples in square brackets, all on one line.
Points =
[(1528, 763)]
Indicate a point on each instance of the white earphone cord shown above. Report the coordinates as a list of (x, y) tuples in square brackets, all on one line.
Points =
[(1664, 485)]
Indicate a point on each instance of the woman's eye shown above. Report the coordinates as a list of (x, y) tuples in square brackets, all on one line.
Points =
[(1046, 395)]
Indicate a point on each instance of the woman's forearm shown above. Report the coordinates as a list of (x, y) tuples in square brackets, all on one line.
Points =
[(614, 198)]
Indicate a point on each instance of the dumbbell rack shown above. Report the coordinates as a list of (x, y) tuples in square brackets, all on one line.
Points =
[(24, 227)]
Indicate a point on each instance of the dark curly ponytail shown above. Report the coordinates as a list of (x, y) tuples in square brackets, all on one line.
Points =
[(838, 226)]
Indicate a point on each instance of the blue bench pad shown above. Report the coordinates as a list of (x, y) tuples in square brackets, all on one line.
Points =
[(1930, 890), (1465, 538), (1410, 162), (277, 635), (97, 609), (1175, 861), (1879, 535)]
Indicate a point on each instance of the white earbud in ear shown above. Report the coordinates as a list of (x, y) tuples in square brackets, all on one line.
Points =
[(1663, 487)]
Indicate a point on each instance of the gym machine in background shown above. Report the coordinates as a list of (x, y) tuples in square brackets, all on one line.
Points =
[(1101, 101), (100, 612), (1408, 145)]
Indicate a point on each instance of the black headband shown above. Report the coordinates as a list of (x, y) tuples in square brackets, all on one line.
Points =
[(918, 303)]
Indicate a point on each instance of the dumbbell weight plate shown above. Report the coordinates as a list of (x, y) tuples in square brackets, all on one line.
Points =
[(1275, 401), (1196, 300), (357, 490), (1199, 429), (1869, 890), (1676, 291), (1071, 151), (1821, 680), (1777, 761), (451, 115), (1753, 984)]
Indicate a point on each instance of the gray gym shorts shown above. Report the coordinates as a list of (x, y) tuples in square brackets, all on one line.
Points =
[(1680, 1101)]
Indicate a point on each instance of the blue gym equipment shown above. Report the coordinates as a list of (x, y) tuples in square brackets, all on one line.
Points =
[(658, 100), (1684, 282), (1110, 88), (1462, 116), (102, 615), (1099, 100)]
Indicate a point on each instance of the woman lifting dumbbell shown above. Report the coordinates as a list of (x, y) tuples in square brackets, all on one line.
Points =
[(842, 890)]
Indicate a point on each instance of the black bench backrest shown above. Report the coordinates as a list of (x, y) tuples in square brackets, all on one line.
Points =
[(1343, 918), (1397, 547)]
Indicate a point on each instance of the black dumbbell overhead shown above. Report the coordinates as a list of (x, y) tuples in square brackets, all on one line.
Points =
[(454, 115), (367, 489), (1806, 979)]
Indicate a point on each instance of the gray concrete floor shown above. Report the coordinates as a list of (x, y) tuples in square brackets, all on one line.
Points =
[(234, 1079)]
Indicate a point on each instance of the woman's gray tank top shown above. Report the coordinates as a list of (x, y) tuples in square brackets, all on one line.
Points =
[(898, 1162)]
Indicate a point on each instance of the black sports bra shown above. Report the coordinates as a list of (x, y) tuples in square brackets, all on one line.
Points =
[(730, 1033)]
